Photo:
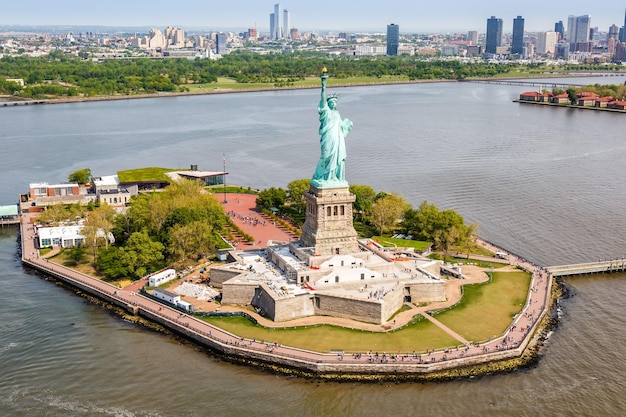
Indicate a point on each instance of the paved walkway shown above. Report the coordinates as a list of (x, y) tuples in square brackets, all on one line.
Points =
[(514, 337), (243, 212)]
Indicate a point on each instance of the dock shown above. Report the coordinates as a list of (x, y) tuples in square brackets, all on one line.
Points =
[(601, 267)]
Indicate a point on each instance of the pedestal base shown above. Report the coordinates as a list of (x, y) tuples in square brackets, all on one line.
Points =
[(328, 227)]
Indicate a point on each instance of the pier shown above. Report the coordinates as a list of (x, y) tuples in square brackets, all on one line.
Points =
[(525, 83), (600, 267)]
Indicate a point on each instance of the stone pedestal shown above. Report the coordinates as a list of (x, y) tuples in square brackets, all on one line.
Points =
[(328, 226)]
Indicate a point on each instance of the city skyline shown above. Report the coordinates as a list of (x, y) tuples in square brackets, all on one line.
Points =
[(350, 15)]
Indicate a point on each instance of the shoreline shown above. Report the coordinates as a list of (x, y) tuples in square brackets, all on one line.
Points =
[(511, 351), (569, 106), (217, 90)]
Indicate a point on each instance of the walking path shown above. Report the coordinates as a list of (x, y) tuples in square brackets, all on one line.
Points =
[(509, 345)]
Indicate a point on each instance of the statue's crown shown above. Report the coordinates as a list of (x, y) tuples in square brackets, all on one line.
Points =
[(333, 95)]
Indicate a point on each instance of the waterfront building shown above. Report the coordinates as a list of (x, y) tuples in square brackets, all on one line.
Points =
[(517, 43), (494, 35), (393, 39), (546, 42)]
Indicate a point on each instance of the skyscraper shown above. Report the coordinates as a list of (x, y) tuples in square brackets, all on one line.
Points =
[(276, 34), (272, 23), (578, 28), (393, 39), (286, 33), (558, 28), (494, 35), (517, 43), (622, 37), (220, 43)]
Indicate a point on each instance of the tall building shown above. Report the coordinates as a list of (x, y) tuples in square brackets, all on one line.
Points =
[(220, 44), (272, 23), (578, 28), (622, 37), (276, 34), (286, 22), (494, 35), (561, 50), (393, 39), (546, 42), (613, 32), (472, 36), (560, 29), (517, 42)]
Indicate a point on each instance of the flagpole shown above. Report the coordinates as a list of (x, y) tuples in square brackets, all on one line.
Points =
[(224, 176)]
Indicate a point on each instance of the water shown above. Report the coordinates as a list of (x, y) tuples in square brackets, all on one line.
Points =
[(543, 182)]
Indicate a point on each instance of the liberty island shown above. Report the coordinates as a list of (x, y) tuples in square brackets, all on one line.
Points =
[(328, 272)]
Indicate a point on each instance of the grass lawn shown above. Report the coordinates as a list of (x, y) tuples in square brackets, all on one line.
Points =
[(144, 174), (478, 262), (236, 189), (418, 336), (401, 243), (487, 309)]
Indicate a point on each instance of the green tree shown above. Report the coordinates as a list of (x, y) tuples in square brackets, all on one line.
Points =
[(110, 265), (365, 196), (141, 254), (271, 197), (295, 193), (191, 240), (387, 211), (82, 176)]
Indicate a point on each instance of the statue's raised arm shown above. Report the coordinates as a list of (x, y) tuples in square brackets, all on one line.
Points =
[(330, 171)]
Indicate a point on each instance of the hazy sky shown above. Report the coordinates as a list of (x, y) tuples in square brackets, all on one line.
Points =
[(339, 15)]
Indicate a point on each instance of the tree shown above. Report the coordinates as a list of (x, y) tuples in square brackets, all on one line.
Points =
[(467, 238), (295, 193), (97, 229), (271, 197), (82, 176), (571, 94), (141, 254), (444, 239), (110, 265), (365, 196), (387, 210), (190, 241)]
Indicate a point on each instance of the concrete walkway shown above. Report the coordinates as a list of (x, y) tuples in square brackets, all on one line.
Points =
[(510, 344)]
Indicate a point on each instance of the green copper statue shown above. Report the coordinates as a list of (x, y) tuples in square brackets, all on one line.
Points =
[(330, 171)]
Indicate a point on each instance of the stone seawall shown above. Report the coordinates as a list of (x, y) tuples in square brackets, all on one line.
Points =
[(294, 361)]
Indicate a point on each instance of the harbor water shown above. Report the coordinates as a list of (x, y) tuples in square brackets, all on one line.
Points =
[(546, 183)]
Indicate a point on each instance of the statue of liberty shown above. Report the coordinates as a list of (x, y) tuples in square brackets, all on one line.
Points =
[(330, 171)]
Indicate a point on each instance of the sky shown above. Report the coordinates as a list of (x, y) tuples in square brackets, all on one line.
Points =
[(413, 16)]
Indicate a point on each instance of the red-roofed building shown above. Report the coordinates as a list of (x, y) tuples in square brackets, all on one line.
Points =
[(603, 102), (586, 98), (560, 98), (619, 105), (530, 96)]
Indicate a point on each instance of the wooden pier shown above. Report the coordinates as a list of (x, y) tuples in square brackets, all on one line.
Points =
[(600, 267)]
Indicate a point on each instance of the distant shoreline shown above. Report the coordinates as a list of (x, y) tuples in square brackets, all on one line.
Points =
[(64, 100), (569, 106)]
